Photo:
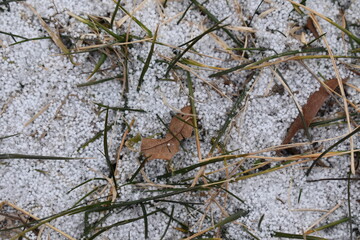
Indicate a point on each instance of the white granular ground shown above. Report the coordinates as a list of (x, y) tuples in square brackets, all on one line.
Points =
[(35, 76)]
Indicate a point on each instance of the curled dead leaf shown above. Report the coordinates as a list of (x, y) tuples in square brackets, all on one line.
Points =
[(167, 147), (310, 109)]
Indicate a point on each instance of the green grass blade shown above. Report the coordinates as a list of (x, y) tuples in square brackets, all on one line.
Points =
[(137, 170), (148, 60), (214, 19), (114, 13), (296, 236), (83, 183), (13, 35), (8, 1), (104, 229), (231, 218), (90, 83), (9, 136), (119, 108), (332, 224), (230, 116), (100, 62), (146, 227), (169, 222), (86, 195), (200, 164), (35, 157), (95, 137), (195, 40), (106, 148), (287, 53), (149, 33), (183, 15), (331, 147)]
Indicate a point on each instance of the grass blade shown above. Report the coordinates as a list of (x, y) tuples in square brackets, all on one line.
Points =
[(120, 108), (331, 147), (214, 19), (169, 222), (35, 157), (148, 59), (100, 62), (296, 236), (95, 137), (287, 53), (120, 223), (90, 83), (149, 33), (106, 148), (145, 220), (195, 40)]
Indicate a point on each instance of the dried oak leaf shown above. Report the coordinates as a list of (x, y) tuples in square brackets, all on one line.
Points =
[(167, 147), (310, 25), (310, 109)]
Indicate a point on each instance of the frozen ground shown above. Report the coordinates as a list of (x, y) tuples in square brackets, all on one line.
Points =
[(35, 78)]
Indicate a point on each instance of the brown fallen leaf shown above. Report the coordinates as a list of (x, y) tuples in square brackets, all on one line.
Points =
[(167, 147), (310, 25), (310, 109)]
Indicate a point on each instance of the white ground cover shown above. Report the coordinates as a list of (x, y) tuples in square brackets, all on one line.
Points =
[(34, 76)]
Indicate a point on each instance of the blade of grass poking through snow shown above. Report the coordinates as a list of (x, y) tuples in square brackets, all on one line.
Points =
[(81, 184), (214, 19), (193, 42), (9, 136), (183, 15), (90, 83), (100, 62), (295, 236), (234, 110), (169, 222), (95, 137), (149, 33), (148, 60), (227, 220), (252, 64), (332, 224), (85, 196), (347, 32), (107, 30), (9, 1), (138, 170), (200, 164), (119, 108), (331, 147), (194, 116), (145, 220), (24, 38), (124, 222), (93, 24), (114, 14), (54, 36), (35, 157), (106, 148)]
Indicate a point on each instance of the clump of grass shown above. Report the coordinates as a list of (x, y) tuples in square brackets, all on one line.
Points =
[(233, 169)]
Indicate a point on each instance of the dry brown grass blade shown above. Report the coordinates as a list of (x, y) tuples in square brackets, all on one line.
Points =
[(54, 36), (310, 109), (167, 147), (338, 77)]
